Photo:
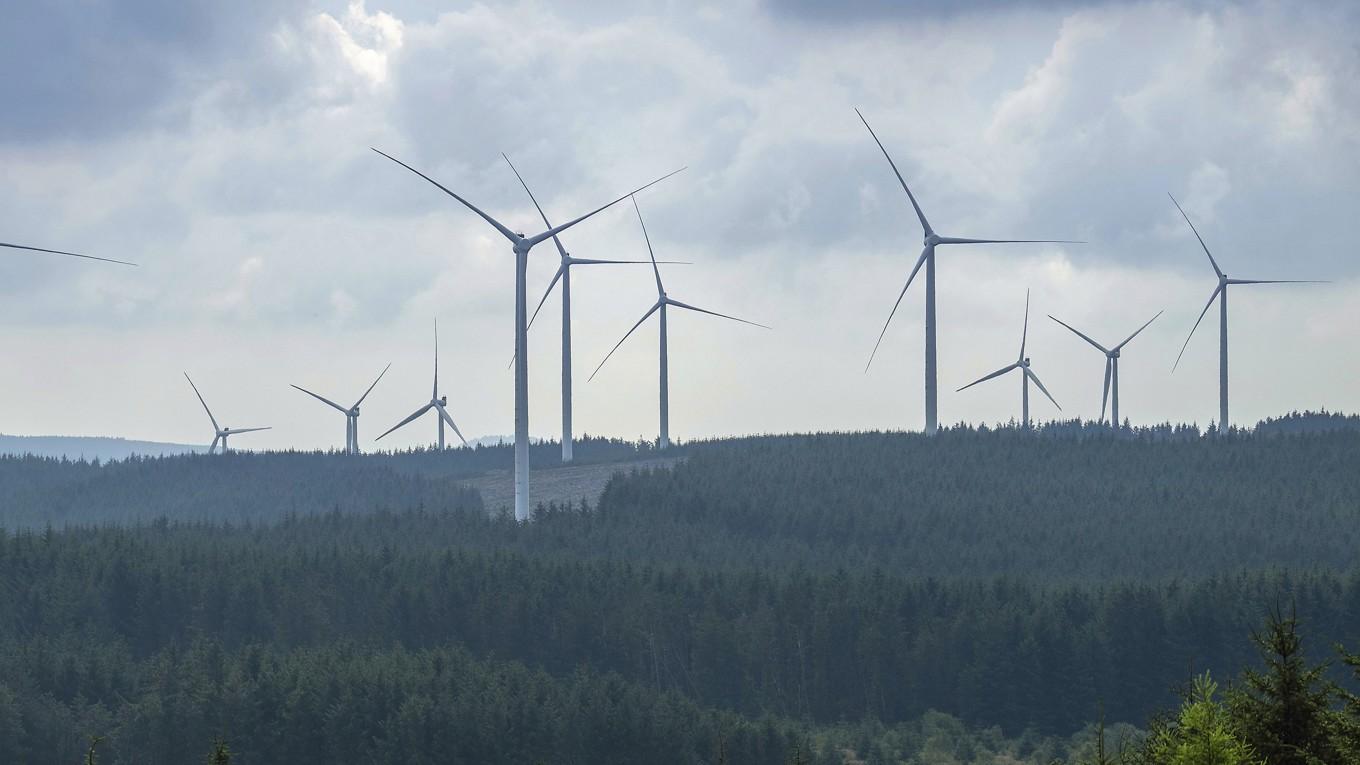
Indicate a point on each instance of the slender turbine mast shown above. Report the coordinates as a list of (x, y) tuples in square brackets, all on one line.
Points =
[(219, 433), (1111, 367), (563, 275), (437, 402), (1221, 294), (1021, 363), (662, 302), (927, 259), (521, 245), (351, 414)]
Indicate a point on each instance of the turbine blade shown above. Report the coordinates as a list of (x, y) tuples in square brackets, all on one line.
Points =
[(556, 278), (1024, 334), (1217, 290), (1105, 395), (60, 252), (322, 399), (645, 316), (533, 240), (234, 431), (507, 233), (374, 385), (689, 307), (1212, 262), (413, 416), (1135, 334), (213, 449), (560, 249), (1078, 333), (1039, 383), (655, 271), (445, 415), (985, 378), (925, 224), (919, 261), (201, 401), (957, 240), (1277, 281)]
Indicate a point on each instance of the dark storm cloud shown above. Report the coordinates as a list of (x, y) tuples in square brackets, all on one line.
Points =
[(74, 69)]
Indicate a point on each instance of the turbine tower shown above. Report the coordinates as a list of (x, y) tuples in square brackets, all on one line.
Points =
[(59, 252), (927, 258), (219, 433), (563, 275), (662, 302), (1021, 363), (1111, 367), (1221, 293), (351, 414), (437, 402), (520, 245)]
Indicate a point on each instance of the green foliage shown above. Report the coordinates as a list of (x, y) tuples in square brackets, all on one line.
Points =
[(221, 753), (1286, 712), (818, 597), (1202, 734)]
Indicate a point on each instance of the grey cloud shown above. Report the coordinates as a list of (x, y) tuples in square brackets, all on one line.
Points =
[(88, 69)]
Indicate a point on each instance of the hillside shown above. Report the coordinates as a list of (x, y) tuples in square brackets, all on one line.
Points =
[(814, 593)]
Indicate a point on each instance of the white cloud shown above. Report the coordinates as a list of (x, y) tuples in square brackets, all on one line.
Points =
[(269, 234)]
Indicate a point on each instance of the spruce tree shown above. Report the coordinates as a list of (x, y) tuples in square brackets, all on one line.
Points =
[(1286, 712)]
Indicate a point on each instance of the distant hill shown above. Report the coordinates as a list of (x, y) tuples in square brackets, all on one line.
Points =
[(89, 447), (1309, 422)]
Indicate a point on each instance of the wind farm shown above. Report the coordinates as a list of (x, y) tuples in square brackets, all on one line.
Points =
[(741, 532)]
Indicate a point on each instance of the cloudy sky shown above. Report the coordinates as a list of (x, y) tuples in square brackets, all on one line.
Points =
[(225, 147)]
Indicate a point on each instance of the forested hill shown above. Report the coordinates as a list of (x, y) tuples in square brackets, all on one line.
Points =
[(963, 504), (760, 597)]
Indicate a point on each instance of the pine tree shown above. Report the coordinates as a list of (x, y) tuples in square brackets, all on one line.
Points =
[(221, 753), (1201, 734), (1286, 712)]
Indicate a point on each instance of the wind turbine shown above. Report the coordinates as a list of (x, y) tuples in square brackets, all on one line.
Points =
[(437, 403), (662, 302), (1221, 293), (521, 245), (219, 433), (351, 414), (1111, 367), (564, 276), (927, 258), (59, 252), (1021, 363)]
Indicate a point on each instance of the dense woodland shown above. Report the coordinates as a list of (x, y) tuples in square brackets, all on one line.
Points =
[(979, 595)]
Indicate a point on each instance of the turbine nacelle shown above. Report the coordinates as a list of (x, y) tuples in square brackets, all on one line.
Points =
[(1025, 362), (1114, 354), (932, 239)]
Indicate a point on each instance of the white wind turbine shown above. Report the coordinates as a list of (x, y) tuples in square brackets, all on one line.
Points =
[(1111, 367), (563, 275), (1021, 363), (351, 413), (1221, 293), (662, 301), (521, 245), (927, 258), (437, 402), (219, 433)]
